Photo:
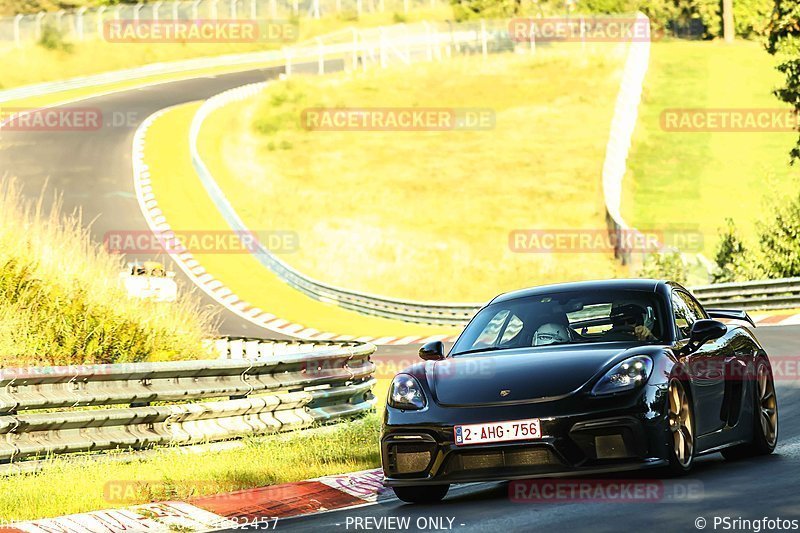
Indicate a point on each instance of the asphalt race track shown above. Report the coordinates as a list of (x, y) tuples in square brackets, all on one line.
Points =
[(752, 489)]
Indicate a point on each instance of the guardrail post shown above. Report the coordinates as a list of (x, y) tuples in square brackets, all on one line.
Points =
[(195, 9), (156, 7), (316, 9), (17, 21), (321, 57), (136, 10), (273, 8), (382, 46), (451, 45), (355, 49), (117, 12), (405, 6), (100, 20), (358, 7), (436, 44), (295, 7), (288, 55), (175, 6), (583, 33), (253, 9), (214, 10), (234, 9), (59, 16), (79, 22), (338, 6), (39, 18), (484, 39)]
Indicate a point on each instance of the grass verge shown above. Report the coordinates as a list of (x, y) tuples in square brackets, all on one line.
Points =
[(697, 179), (34, 63), (69, 486), (61, 302), (187, 207), (427, 215)]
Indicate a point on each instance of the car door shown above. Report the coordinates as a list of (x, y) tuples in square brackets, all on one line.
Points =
[(705, 367)]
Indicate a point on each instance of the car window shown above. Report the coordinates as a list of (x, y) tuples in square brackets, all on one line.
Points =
[(566, 317), (492, 330), (513, 328), (699, 312), (686, 312)]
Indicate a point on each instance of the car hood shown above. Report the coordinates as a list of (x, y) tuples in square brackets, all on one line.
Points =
[(520, 375)]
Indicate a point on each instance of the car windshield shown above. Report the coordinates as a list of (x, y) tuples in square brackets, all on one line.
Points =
[(564, 318)]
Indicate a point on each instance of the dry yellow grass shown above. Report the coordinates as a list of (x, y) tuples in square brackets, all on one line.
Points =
[(61, 302), (187, 207), (33, 63), (427, 215)]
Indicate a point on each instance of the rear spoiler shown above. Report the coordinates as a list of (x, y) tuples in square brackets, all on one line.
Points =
[(730, 314)]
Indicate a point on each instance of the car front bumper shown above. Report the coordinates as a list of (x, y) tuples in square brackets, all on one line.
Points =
[(623, 437)]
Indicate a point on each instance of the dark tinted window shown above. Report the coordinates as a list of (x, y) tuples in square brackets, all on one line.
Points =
[(686, 312), (565, 318)]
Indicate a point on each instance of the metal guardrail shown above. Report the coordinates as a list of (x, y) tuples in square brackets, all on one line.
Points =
[(749, 295), (62, 410), (623, 123)]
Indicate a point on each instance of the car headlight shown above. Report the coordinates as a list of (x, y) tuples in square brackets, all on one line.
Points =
[(627, 375), (406, 393)]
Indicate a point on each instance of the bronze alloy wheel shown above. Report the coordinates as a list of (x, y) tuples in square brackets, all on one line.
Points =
[(767, 405), (681, 424)]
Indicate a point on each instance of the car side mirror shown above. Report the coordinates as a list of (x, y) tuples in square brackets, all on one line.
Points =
[(703, 331), (432, 351)]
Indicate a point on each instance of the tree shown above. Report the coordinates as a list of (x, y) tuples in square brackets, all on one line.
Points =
[(784, 42), (730, 252), (780, 241)]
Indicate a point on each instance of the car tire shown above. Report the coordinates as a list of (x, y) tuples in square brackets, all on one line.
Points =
[(765, 422), (680, 428), (421, 494)]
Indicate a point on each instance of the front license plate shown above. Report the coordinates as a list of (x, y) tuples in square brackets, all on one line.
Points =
[(498, 431)]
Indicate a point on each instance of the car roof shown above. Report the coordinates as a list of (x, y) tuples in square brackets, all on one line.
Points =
[(650, 285)]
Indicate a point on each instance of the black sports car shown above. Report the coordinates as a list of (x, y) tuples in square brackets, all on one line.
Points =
[(579, 378)]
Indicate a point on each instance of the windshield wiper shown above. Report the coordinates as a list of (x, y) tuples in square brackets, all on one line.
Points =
[(487, 349)]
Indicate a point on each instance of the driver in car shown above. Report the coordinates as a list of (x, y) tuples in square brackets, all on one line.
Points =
[(551, 333), (630, 321)]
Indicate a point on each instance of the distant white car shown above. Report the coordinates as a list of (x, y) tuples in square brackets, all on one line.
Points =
[(150, 281)]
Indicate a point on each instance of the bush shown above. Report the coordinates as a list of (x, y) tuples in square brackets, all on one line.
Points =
[(666, 265), (53, 39), (475, 9), (682, 18), (779, 240), (730, 252), (751, 17)]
